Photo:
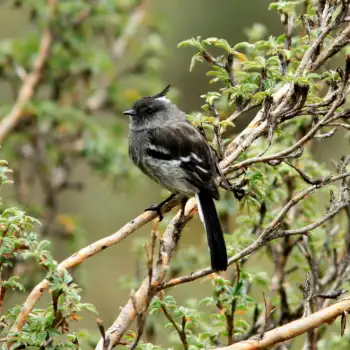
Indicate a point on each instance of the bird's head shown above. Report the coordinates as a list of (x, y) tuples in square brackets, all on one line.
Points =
[(150, 107)]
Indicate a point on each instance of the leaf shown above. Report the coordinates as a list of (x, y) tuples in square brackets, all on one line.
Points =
[(226, 123), (242, 324), (198, 57), (281, 39), (243, 45), (194, 42), (207, 301), (222, 43), (259, 96), (273, 60), (210, 97), (239, 55)]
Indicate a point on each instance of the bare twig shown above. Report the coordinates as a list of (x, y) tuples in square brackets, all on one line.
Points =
[(217, 131), (339, 42), (282, 154)]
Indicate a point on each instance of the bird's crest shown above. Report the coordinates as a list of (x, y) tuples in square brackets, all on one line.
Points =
[(163, 92)]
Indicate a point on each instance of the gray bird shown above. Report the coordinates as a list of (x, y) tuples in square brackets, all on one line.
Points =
[(168, 149)]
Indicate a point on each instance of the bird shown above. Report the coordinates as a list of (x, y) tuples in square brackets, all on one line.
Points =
[(166, 147)]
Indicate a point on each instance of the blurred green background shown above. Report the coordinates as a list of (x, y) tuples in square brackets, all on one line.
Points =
[(102, 207)]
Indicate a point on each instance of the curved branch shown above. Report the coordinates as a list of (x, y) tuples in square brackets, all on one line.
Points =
[(340, 41), (293, 329)]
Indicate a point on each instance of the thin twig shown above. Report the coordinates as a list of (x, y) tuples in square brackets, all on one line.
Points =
[(264, 237)]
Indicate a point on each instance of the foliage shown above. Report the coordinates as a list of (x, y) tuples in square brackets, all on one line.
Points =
[(94, 68), (19, 242), (293, 211), (250, 74)]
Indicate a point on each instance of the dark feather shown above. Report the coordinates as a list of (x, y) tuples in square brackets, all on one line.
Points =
[(215, 236), (158, 155), (182, 140), (163, 92)]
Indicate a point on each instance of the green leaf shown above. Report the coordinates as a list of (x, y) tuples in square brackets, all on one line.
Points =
[(243, 45), (242, 324), (198, 57), (222, 43), (194, 42), (210, 97)]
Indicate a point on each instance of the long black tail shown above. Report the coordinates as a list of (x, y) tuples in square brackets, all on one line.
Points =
[(215, 236)]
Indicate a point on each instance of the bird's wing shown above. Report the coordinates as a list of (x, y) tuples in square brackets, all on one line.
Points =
[(183, 145)]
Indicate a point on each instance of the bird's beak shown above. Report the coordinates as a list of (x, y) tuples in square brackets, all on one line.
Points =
[(130, 112)]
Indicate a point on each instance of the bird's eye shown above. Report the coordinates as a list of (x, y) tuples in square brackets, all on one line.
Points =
[(148, 110)]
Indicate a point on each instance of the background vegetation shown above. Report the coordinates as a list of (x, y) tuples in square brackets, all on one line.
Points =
[(67, 77)]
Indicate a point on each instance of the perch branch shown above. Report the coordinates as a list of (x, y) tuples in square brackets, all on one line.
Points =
[(167, 247)]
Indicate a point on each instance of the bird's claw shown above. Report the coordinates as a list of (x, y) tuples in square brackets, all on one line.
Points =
[(157, 208)]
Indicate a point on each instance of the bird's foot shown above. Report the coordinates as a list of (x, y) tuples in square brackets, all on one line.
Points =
[(157, 208)]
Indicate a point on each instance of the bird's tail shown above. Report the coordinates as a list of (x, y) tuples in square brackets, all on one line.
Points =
[(215, 236)]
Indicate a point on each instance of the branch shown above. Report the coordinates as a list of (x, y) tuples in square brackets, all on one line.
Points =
[(130, 29), (315, 224), (181, 332), (256, 128), (167, 246), (339, 42), (31, 81), (293, 329), (81, 256), (266, 236), (282, 154)]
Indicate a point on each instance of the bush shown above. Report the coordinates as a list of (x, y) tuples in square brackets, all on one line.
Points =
[(298, 101)]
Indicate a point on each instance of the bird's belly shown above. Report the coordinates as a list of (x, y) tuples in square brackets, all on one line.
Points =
[(171, 177)]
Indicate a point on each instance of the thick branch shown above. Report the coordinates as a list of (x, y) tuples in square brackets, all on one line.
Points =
[(167, 247), (293, 329)]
